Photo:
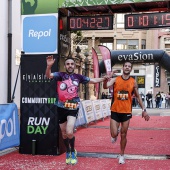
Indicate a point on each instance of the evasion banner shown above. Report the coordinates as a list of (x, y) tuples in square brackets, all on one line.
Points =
[(39, 118), (9, 126)]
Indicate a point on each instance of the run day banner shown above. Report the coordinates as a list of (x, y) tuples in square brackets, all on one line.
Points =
[(9, 126), (39, 120)]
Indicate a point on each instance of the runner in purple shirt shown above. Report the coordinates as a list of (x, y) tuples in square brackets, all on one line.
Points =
[(68, 101)]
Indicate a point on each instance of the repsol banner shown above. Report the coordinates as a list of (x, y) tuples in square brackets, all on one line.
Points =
[(39, 119), (9, 126)]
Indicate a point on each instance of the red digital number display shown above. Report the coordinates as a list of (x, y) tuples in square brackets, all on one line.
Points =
[(102, 22), (147, 20)]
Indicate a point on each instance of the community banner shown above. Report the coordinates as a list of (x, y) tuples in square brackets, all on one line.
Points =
[(39, 117), (9, 126)]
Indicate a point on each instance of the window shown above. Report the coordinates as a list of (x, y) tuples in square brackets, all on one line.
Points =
[(120, 20), (143, 44), (136, 71), (127, 44)]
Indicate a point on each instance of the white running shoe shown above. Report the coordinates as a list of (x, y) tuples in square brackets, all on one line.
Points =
[(113, 140), (121, 159)]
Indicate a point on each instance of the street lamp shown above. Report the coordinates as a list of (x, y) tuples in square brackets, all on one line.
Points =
[(86, 70)]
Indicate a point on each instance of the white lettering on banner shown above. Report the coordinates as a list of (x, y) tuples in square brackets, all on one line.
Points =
[(39, 34), (136, 56), (64, 38), (38, 121), (7, 127), (157, 81), (38, 125), (38, 100)]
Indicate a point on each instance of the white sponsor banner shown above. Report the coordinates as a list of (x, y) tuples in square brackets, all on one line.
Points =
[(108, 101), (88, 110), (81, 120), (104, 107), (97, 109)]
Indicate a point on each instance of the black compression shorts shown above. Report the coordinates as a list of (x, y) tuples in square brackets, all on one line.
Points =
[(120, 117), (63, 113)]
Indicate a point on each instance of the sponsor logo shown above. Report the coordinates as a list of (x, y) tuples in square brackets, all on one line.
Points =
[(7, 127), (136, 56), (157, 76), (35, 78), (39, 34), (37, 125), (38, 100)]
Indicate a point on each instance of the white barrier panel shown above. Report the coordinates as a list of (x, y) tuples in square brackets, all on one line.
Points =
[(104, 107), (88, 110), (81, 120), (9, 126), (108, 101), (97, 109)]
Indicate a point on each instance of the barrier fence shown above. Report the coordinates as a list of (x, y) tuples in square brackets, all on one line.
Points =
[(10, 127)]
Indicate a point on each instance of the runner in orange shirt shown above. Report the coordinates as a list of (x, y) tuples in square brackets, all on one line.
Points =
[(121, 108)]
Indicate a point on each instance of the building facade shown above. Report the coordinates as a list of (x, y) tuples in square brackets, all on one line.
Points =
[(121, 39)]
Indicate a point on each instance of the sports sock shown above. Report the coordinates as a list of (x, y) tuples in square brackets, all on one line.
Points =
[(71, 141), (66, 142)]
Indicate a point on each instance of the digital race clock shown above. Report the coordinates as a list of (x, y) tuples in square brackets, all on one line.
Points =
[(147, 20), (98, 22)]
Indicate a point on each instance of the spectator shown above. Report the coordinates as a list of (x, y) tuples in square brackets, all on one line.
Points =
[(158, 98), (142, 97), (167, 100), (103, 96), (148, 99)]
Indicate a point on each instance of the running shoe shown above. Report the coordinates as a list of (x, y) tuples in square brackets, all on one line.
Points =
[(121, 159), (68, 157), (74, 157)]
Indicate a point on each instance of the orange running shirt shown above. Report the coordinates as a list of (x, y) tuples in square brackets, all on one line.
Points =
[(122, 91)]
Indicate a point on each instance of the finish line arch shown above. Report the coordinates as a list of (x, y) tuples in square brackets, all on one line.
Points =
[(136, 56)]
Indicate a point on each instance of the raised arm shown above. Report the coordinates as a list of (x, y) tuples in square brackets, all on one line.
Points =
[(144, 113), (50, 61), (108, 83)]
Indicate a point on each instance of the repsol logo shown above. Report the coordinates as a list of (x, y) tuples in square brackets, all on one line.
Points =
[(39, 34), (136, 56), (7, 127)]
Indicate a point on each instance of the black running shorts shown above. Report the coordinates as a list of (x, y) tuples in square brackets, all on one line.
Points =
[(63, 113), (120, 117)]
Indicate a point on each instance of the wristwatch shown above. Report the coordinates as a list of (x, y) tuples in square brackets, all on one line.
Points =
[(144, 110)]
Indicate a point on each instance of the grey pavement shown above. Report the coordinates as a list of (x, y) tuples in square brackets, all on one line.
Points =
[(152, 111)]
